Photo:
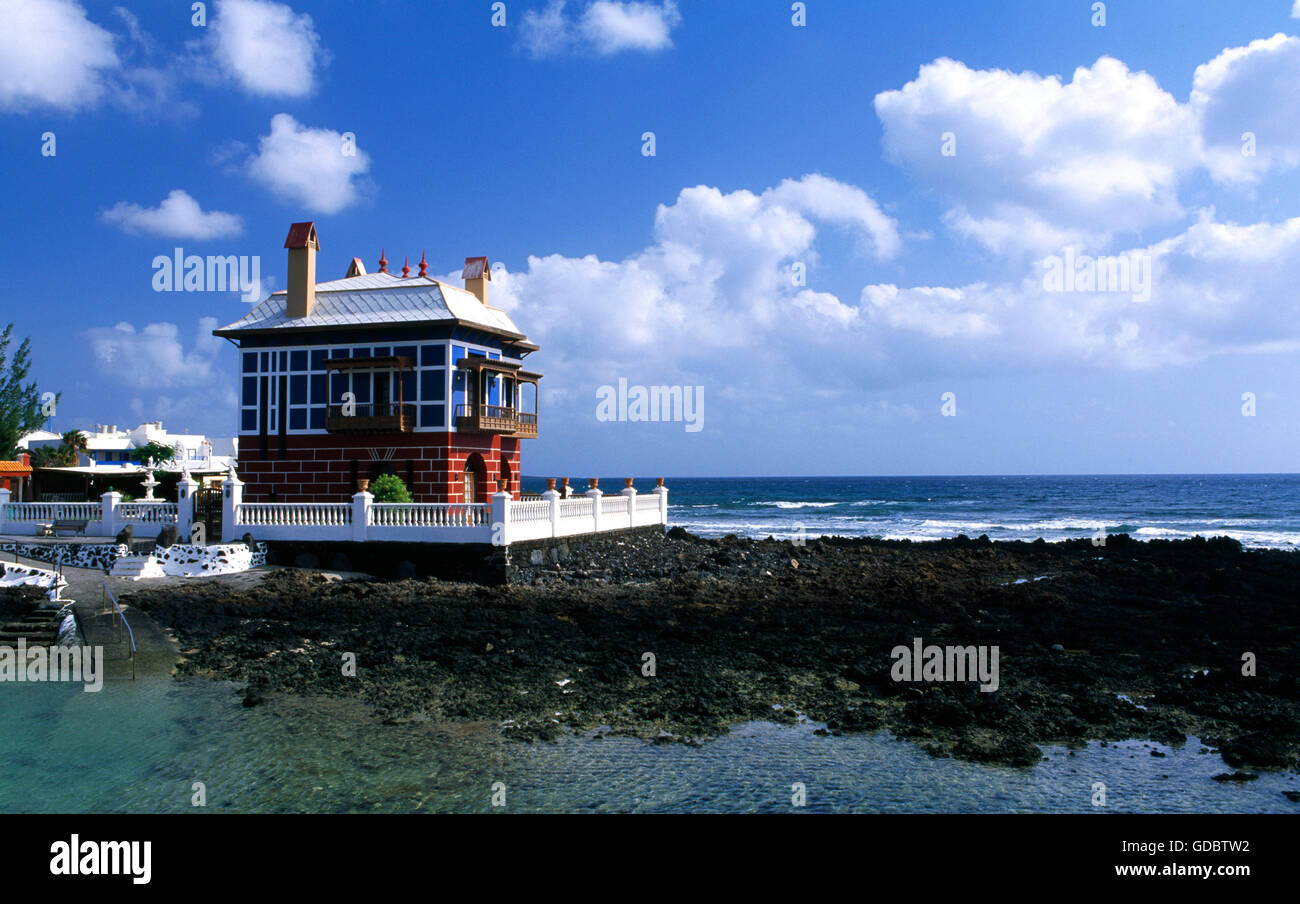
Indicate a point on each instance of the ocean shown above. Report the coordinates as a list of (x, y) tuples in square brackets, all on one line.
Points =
[(152, 745), (1260, 510), (143, 746)]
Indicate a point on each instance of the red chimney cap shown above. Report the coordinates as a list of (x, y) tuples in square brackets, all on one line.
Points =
[(476, 267), (302, 235)]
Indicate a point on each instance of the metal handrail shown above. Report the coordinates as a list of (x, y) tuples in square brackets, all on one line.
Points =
[(120, 614)]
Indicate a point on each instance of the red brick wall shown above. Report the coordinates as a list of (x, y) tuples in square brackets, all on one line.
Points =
[(319, 468)]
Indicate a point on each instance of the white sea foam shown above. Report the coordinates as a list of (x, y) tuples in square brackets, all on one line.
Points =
[(796, 505)]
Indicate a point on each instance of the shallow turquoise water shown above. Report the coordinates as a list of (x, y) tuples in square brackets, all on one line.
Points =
[(140, 748)]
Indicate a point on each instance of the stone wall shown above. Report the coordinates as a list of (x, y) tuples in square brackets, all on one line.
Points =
[(175, 559)]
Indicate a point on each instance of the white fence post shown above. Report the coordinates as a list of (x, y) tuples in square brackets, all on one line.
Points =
[(108, 507), (361, 514), (593, 493), (630, 492), (232, 496), (500, 516), (4, 508), (185, 488), (662, 492), (553, 498)]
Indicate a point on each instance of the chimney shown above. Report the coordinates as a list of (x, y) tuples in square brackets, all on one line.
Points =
[(477, 275), (302, 247)]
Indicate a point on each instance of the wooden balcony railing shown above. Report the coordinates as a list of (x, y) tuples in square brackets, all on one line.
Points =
[(385, 417), (495, 419)]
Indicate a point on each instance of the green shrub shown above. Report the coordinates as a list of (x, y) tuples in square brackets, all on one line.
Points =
[(389, 488)]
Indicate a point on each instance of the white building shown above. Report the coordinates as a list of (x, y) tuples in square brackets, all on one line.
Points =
[(109, 450)]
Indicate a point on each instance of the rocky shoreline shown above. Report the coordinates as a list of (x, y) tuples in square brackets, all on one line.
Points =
[(1125, 640)]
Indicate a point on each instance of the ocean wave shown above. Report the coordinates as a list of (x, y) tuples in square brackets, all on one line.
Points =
[(796, 505)]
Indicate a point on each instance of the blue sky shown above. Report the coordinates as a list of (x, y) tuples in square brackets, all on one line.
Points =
[(821, 146)]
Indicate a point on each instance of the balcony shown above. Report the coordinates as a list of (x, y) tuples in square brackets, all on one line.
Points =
[(385, 417), (495, 419)]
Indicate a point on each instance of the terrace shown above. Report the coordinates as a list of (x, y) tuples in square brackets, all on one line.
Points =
[(501, 521)]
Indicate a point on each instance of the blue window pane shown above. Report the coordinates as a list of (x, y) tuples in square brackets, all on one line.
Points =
[(433, 385), (339, 353), (405, 351), (318, 358), (297, 418), (433, 355), (248, 420), (361, 386), (432, 416), (382, 351), (338, 386), (298, 360), (408, 387), (298, 390), (319, 389), (250, 391), (457, 352), (266, 361), (494, 356), (361, 353), (317, 418), (284, 361), (250, 362)]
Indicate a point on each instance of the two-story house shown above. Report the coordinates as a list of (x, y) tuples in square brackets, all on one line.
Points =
[(375, 373)]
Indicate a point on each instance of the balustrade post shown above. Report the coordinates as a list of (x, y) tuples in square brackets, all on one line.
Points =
[(662, 492), (232, 497), (4, 510), (630, 492), (185, 488), (361, 503), (500, 520), (108, 509), (593, 493), (553, 498)]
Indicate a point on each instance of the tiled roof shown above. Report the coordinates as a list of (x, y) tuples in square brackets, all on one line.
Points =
[(14, 467), (377, 299)]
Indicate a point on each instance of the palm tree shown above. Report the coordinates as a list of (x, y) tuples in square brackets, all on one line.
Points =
[(74, 441)]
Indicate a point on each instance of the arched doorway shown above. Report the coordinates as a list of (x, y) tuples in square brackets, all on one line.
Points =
[(474, 479)]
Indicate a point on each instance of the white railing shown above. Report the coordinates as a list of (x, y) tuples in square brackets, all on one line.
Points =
[(294, 514), (576, 508), (48, 512), (147, 512), (521, 512), (428, 514), (502, 521)]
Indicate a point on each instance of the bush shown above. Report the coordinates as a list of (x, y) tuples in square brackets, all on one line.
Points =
[(389, 488)]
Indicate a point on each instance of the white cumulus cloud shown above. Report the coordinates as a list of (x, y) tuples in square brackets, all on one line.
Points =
[(1038, 159), (267, 48), (51, 55), (1250, 89), (177, 216), (308, 167), (603, 27)]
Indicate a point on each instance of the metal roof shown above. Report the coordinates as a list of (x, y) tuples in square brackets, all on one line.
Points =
[(377, 299)]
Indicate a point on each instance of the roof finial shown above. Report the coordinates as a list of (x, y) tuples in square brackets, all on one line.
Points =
[(423, 266), (406, 268), (383, 261)]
